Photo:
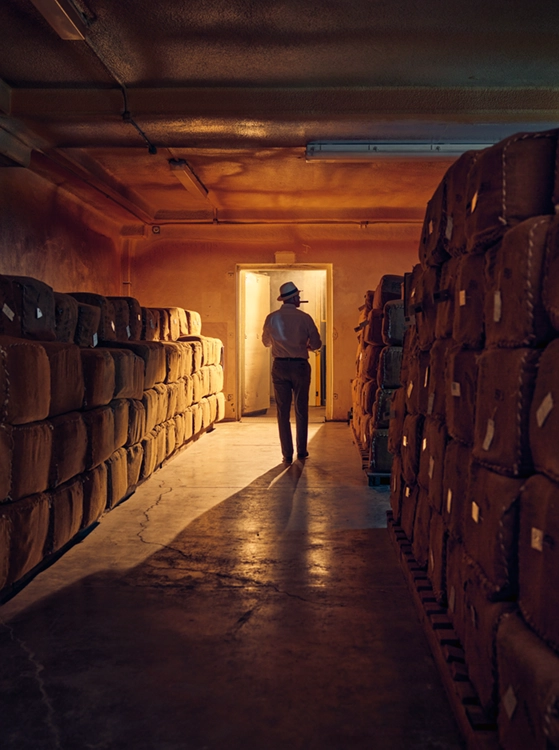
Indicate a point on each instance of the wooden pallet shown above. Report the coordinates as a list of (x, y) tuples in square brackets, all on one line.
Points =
[(479, 731)]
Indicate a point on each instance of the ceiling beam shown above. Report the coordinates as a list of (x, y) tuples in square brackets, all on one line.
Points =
[(14, 150), (468, 104)]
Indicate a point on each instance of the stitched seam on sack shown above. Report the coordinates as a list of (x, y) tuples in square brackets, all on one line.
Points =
[(516, 466), (529, 287)]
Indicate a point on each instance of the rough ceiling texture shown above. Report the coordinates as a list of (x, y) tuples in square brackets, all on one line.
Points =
[(236, 88)]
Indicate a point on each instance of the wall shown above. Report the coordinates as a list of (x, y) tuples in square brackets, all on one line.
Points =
[(48, 234), (195, 268)]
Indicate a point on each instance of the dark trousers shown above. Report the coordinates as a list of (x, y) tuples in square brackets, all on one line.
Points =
[(292, 377)]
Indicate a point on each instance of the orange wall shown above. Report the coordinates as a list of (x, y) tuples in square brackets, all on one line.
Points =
[(201, 275), (47, 234)]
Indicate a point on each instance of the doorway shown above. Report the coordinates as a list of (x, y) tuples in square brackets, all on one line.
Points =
[(258, 288)]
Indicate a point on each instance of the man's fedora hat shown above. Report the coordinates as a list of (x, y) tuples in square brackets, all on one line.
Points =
[(287, 291)]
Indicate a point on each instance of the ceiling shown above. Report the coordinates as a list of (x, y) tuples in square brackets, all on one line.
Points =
[(237, 88)]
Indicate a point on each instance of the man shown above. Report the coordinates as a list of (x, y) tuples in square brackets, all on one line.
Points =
[(291, 333)]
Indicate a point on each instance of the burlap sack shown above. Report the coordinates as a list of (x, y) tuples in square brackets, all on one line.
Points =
[(381, 408), (468, 328), (69, 448), (482, 619), (162, 403), (99, 377), (66, 511), (412, 439), (432, 251), (149, 447), (24, 381), (34, 306), (544, 414), (380, 458), (175, 314), (538, 557), (220, 406), (154, 357), (136, 422), (506, 382), (424, 306), (410, 496), (6, 450), (173, 359), (455, 582), (100, 427), (436, 386), (455, 485), (28, 525), (171, 428), (87, 326), (396, 424), (528, 688), (490, 531), (372, 332), (393, 323), (368, 369), (420, 541), (172, 399), (456, 180), (10, 318), (388, 288), (436, 566), (117, 477), (31, 459), (94, 495), (461, 389), (150, 324), (164, 324), (396, 488), (66, 317), (121, 413), (198, 418), (514, 312), (123, 331), (134, 458), (188, 423), (550, 286), (509, 183), (444, 299), (67, 387), (107, 324), (129, 373)]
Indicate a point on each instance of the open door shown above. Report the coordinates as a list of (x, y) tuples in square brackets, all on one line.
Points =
[(256, 365)]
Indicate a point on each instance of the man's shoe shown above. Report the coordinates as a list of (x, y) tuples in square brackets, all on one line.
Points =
[(287, 460), (302, 456)]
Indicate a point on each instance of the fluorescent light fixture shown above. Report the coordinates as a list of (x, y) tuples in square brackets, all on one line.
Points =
[(187, 178), (366, 150), (64, 18)]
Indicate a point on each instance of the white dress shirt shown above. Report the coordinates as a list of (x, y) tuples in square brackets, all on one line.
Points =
[(290, 332)]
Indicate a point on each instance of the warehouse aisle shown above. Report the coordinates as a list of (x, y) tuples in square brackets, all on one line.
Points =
[(229, 603)]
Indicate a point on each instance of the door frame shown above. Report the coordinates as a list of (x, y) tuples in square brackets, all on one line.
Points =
[(270, 267)]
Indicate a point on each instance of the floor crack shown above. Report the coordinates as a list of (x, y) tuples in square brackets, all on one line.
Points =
[(38, 668)]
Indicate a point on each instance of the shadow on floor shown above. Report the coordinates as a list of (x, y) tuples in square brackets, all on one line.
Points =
[(241, 633)]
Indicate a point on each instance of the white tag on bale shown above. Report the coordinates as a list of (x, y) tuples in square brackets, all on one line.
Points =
[(455, 389), (430, 403), (537, 539), (489, 435), (431, 561), (424, 444), (475, 511), (95, 339), (8, 312), (431, 466), (405, 441), (113, 325), (449, 227), (39, 313), (509, 702), (462, 297), (410, 388), (449, 501), (408, 491), (497, 306), (473, 204), (139, 316), (544, 409), (426, 380), (431, 226), (128, 331)]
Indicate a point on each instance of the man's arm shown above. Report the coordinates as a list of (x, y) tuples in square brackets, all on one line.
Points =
[(266, 336), (314, 337)]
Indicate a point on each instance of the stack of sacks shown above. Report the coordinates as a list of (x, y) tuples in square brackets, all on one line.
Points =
[(363, 386), (487, 530), (91, 421), (385, 335)]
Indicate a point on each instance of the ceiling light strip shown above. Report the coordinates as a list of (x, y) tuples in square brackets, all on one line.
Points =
[(367, 150)]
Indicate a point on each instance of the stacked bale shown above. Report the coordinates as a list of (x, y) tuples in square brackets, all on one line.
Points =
[(81, 426), (379, 336), (485, 534)]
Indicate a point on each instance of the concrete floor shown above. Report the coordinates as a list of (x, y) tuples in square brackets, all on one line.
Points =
[(229, 603)]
